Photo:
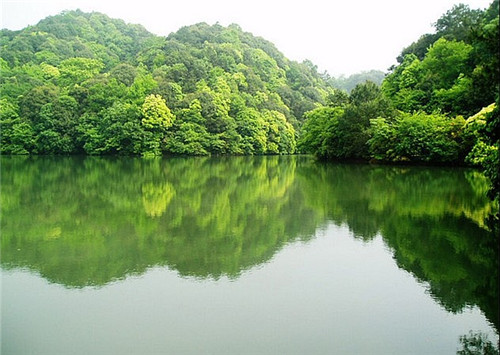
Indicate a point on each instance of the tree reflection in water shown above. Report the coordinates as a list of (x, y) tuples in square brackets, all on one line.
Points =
[(89, 221)]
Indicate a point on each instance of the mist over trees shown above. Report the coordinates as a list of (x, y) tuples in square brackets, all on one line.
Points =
[(347, 83)]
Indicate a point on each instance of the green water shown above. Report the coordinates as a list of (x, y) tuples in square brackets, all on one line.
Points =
[(243, 255)]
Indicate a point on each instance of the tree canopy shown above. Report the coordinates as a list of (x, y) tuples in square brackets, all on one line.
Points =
[(85, 83)]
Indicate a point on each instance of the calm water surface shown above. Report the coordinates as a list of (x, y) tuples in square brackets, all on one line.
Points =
[(262, 255)]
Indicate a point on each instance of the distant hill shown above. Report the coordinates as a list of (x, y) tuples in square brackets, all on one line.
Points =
[(348, 83)]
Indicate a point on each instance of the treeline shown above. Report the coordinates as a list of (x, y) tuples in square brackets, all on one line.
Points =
[(436, 106), (82, 83)]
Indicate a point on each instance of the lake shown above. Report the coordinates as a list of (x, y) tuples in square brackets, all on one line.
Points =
[(243, 255)]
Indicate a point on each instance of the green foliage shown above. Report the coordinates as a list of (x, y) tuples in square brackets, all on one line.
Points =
[(457, 24), (77, 70), (251, 98), (55, 126), (32, 102), (440, 81), (491, 163), (156, 114), (416, 137), (124, 73), (454, 70), (342, 130), (475, 131), (114, 130), (419, 48), (17, 136), (445, 61), (381, 143), (157, 118), (486, 75), (445, 76), (338, 98), (319, 128), (250, 126)]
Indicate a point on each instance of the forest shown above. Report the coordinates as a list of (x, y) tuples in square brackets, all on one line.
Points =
[(83, 83)]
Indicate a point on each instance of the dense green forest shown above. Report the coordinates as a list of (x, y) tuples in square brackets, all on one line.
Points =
[(82, 83)]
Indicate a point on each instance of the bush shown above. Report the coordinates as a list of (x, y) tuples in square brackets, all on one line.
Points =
[(417, 137)]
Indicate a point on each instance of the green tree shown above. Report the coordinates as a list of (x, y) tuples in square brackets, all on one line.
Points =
[(156, 114), (55, 127), (342, 132), (445, 61), (17, 136), (77, 70), (188, 136), (143, 85), (124, 73), (458, 23), (157, 118), (419, 137), (320, 128), (337, 98), (454, 70), (32, 102), (402, 85), (251, 128), (353, 131), (486, 74), (115, 130)]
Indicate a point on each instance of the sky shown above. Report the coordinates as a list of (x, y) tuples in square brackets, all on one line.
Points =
[(340, 37)]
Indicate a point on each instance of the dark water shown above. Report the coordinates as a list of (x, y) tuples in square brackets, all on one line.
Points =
[(262, 255)]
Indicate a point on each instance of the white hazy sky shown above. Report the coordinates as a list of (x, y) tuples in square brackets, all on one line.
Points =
[(341, 37)]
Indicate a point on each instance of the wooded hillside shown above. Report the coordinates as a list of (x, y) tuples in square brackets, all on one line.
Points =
[(85, 83)]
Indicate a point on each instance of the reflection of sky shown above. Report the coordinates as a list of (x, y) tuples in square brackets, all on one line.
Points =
[(334, 294)]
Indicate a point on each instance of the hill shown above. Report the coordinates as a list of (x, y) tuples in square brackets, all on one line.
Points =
[(85, 83), (348, 83)]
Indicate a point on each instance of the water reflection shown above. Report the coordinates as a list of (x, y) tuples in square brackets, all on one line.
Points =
[(89, 221), (435, 221), (82, 222)]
